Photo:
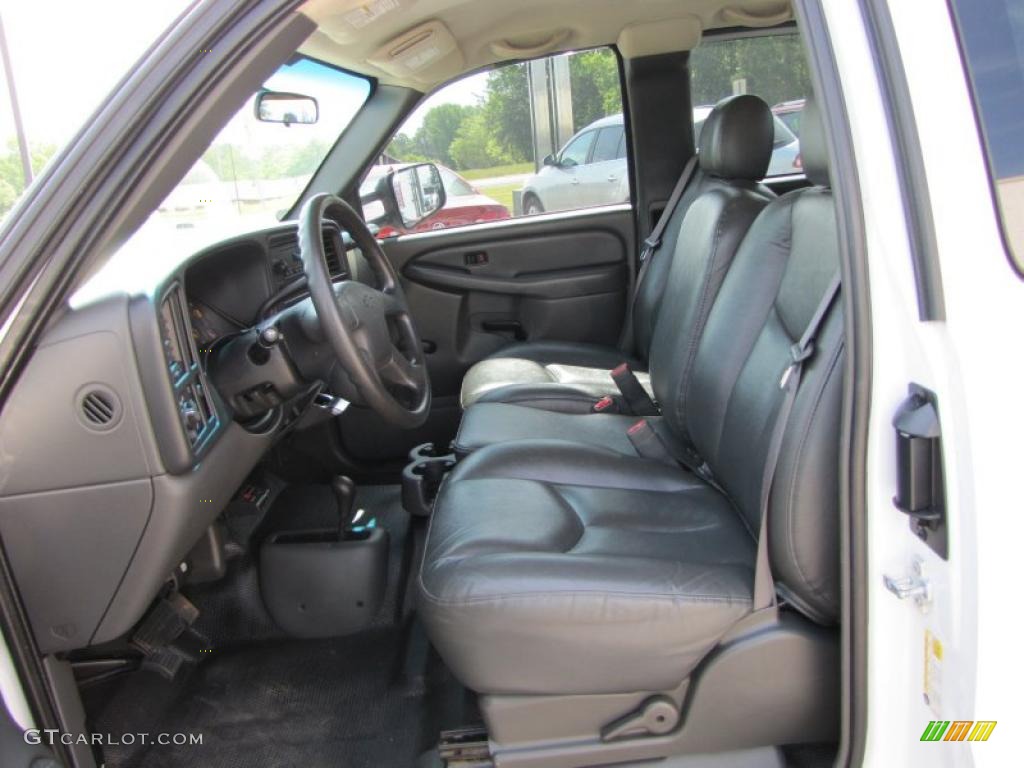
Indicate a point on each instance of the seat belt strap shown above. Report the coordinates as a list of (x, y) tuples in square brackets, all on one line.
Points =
[(633, 392), (764, 584), (653, 241)]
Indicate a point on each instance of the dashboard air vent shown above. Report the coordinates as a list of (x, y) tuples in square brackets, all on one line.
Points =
[(99, 408), (331, 252)]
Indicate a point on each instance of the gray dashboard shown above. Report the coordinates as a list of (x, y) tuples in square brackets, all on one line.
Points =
[(116, 453)]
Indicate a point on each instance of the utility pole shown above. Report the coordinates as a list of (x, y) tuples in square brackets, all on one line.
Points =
[(26, 159)]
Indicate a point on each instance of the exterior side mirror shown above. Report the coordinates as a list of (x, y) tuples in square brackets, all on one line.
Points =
[(286, 108), (407, 196), (550, 160)]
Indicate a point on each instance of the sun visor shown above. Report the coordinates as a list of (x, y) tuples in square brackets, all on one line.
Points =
[(350, 21)]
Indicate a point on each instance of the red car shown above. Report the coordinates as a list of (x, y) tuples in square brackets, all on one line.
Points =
[(464, 203)]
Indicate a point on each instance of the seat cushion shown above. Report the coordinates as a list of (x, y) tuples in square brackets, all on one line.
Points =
[(554, 375), (489, 423), (557, 568)]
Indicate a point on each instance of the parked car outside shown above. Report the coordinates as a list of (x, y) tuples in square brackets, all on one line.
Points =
[(464, 203), (591, 168), (790, 112)]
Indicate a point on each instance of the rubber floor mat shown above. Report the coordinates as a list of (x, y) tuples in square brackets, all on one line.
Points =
[(339, 702)]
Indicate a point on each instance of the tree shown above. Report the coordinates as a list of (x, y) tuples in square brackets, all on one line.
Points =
[(403, 148), (474, 145), (774, 67), (507, 112), (594, 76), (12, 179), (434, 137)]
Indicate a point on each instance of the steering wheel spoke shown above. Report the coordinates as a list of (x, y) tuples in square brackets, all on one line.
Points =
[(401, 372)]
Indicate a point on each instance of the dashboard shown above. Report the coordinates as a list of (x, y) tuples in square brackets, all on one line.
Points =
[(120, 449), (220, 293), (236, 284)]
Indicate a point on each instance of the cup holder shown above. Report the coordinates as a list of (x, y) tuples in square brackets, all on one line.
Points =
[(422, 477), (429, 451)]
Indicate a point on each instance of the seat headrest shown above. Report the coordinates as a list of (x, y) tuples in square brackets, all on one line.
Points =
[(737, 137), (813, 149)]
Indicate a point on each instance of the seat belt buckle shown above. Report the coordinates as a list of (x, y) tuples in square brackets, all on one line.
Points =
[(647, 443), (605, 405), (636, 398)]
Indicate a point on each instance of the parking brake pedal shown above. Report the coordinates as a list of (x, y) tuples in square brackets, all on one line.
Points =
[(655, 717), (465, 748)]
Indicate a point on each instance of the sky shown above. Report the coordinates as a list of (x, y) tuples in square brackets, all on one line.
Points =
[(64, 70)]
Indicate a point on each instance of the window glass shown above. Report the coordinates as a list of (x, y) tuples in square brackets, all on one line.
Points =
[(576, 151), (770, 66), (606, 147), (249, 176), (992, 38), (496, 135)]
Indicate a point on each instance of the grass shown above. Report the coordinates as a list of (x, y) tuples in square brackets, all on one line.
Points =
[(503, 194), (500, 170)]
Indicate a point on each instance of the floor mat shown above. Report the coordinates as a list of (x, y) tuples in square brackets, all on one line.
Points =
[(339, 702)]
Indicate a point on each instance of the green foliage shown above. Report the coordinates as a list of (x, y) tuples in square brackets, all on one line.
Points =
[(12, 180), (403, 147), (475, 145), (507, 112), (774, 66), (596, 93), (440, 125)]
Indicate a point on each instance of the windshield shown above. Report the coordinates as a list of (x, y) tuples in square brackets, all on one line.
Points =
[(247, 179)]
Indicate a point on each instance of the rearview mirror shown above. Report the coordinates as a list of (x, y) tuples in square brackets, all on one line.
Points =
[(406, 196), (286, 108)]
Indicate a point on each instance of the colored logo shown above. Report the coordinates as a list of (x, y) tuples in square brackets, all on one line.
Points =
[(958, 730)]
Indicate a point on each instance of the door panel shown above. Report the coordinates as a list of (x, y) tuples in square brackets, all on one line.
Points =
[(473, 291)]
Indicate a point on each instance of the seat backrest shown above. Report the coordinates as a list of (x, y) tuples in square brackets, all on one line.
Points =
[(735, 148), (776, 282)]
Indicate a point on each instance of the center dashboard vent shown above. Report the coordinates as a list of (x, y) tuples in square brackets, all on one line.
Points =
[(286, 261), (331, 252)]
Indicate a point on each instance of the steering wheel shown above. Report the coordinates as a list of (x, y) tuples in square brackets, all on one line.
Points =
[(371, 331)]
